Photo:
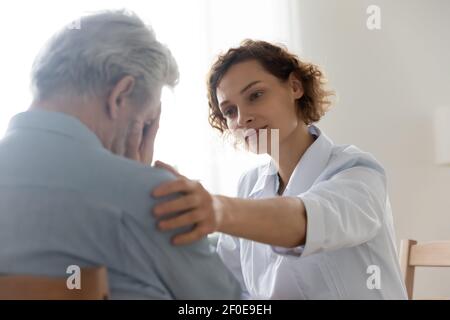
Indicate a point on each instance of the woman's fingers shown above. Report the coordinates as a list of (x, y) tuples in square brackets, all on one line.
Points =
[(180, 204), (196, 206), (185, 238), (174, 186), (182, 220)]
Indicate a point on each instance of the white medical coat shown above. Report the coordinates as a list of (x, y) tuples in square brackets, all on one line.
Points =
[(350, 250)]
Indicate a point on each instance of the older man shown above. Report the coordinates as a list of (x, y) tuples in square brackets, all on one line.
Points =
[(68, 194)]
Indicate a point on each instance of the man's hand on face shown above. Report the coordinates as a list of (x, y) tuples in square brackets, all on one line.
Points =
[(141, 140)]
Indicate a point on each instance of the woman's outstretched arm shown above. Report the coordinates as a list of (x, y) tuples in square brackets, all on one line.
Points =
[(279, 221)]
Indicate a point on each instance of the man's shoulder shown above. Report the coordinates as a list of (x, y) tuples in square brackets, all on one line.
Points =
[(130, 171), (127, 183)]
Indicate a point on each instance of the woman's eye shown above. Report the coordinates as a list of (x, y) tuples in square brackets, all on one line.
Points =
[(229, 112), (255, 95)]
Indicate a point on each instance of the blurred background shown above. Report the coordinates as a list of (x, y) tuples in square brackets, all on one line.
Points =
[(389, 83)]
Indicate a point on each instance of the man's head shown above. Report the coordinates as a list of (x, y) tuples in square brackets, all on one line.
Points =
[(109, 73)]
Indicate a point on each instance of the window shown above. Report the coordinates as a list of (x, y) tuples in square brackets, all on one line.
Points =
[(195, 31)]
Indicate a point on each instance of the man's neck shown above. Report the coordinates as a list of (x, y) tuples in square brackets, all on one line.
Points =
[(87, 111)]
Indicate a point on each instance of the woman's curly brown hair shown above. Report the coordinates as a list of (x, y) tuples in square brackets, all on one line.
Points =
[(280, 63)]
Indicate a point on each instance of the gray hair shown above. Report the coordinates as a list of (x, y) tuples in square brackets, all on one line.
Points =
[(103, 48)]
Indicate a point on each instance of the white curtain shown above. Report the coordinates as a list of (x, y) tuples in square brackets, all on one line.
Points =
[(196, 31)]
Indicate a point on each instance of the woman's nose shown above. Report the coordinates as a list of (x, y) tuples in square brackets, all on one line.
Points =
[(244, 120)]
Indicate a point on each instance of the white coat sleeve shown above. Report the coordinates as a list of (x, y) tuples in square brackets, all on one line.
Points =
[(344, 211)]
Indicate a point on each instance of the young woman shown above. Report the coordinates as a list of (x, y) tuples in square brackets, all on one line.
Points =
[(313, 223)]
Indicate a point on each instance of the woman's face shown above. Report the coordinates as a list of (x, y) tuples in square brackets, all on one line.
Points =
[(250, 99)]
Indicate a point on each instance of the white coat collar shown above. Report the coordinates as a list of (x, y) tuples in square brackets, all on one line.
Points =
[(310, 166)]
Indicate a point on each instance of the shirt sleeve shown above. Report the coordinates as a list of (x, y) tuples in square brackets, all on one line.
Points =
[(344, 211), (228, 248)]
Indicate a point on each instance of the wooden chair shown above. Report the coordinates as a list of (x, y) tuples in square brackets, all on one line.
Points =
[(430, 254), (94, 286)]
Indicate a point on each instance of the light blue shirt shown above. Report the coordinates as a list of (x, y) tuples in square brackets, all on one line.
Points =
[(350, 250), (66, 200)]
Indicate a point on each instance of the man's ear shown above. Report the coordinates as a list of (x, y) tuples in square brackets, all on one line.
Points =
[(118, 94), (296, 86)]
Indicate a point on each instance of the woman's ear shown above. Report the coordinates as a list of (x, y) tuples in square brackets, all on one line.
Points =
[(119, 94), (296, 86)]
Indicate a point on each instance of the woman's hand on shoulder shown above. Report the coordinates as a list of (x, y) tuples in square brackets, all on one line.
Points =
[(197, 206)]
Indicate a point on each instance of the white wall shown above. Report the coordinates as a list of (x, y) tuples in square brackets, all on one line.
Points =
[(389, 82)]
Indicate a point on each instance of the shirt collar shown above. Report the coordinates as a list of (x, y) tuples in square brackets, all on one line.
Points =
[(310, 166), (54, 122)]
